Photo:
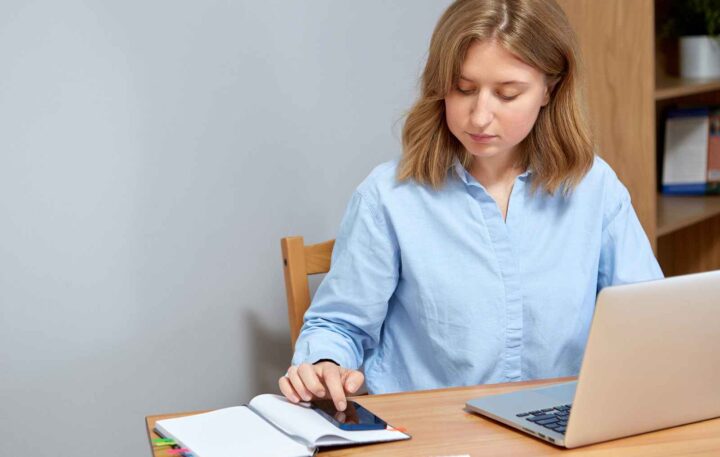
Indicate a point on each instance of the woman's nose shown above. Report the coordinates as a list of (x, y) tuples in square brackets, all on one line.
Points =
[(481, 113)]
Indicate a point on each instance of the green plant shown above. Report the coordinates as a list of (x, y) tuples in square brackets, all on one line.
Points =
[(692, 17)]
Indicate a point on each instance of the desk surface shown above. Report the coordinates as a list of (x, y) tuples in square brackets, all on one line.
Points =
[(440, 426)]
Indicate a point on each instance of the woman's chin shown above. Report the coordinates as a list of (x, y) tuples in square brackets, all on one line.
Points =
[(483, 151)]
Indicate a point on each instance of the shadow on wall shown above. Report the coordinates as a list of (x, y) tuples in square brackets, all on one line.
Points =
[(271, 354), (271, 350)]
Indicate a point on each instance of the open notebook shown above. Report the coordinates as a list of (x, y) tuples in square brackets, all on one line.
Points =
[(268, 426)]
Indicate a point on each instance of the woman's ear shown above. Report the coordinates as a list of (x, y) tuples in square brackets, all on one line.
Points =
[(548, 90)]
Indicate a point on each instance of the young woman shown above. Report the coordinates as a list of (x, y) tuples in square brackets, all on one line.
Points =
[(477, 257)]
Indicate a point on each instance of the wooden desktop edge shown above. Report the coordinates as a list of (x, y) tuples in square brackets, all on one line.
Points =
[(152, 419)]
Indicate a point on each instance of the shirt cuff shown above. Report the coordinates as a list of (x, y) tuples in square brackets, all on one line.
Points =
[(316, 346)]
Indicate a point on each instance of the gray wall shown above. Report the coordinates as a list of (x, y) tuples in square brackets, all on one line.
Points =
[(152, 154)]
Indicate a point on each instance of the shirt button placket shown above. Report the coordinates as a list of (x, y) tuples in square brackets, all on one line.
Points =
[(506, 258)]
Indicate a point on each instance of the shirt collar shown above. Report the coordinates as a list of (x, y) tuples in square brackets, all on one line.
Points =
[(461, 172), (468, 179)]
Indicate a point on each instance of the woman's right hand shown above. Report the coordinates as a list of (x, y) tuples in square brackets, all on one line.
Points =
[(306, 382)]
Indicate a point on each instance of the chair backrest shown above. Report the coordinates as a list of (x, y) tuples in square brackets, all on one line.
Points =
[(300, 261)]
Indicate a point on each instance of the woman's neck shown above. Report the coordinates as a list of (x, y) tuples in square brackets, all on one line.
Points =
[(497, 170)]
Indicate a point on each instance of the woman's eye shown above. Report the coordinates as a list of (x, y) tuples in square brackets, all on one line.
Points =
[(470, 91)]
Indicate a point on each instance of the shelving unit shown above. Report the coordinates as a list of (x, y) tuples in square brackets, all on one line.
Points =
[(669, 87), (677, 213), (674, 212), (629, 88)]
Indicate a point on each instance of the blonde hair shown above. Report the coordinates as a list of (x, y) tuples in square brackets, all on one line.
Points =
[(559, 148)]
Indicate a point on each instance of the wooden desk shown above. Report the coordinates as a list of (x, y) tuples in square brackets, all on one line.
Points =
[(440, 426)]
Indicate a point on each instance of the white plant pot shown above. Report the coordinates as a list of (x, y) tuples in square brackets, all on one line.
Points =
[(699, 57)]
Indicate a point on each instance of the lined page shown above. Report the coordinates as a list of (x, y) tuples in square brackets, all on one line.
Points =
[(230, 432), (303, 422)]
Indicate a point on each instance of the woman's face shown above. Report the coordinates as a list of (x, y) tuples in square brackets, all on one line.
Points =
[(498, 95)]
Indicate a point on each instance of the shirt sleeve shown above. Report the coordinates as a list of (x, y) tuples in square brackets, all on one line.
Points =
[(350, 305), (626, 255)]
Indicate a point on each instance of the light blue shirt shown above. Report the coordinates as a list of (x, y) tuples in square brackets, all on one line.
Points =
[(432, 288)]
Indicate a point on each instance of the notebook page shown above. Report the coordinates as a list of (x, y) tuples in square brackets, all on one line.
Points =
[(303, 422), (229, 432)]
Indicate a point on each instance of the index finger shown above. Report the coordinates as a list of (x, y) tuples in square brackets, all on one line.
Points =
[(331, 376)]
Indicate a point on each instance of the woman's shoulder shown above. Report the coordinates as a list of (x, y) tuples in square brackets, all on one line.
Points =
[(601, 177), (603, 184), (601, 171), (381, 181)]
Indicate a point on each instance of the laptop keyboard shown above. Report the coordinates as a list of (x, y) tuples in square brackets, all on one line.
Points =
[(554, 419)]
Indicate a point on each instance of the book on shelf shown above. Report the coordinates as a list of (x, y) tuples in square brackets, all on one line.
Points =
[(713, 174), (691, 157), (268, 426)]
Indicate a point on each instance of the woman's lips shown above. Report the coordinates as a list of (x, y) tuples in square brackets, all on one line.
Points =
[(482, 138)]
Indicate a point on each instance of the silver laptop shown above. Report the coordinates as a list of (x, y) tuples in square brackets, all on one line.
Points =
[(652, 361)]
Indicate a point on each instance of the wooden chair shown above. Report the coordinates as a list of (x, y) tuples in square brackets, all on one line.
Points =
[(300, 261)]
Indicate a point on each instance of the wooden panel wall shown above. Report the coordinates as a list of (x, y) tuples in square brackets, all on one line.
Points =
[(617, 42)]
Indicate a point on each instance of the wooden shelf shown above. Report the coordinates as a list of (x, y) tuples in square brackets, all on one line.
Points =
[(671, 87), (674, 213)]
